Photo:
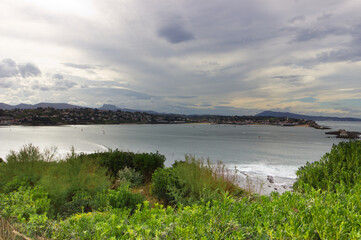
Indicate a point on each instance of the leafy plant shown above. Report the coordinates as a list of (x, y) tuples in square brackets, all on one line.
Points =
[(23, 167), (341, 166), (29, 206), (64, 179), (123, 198), (165, 180), (130, 176), (147, 163), (114, 161)]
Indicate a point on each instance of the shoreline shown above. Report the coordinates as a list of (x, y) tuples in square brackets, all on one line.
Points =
[(264, 185), (140, 123)]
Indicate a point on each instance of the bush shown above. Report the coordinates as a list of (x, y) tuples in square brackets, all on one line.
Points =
[(145, 163), (123, 198), (25, 167), (311, 215), (189, 181), (197, 175), (64, 179), (114, 161), (30, 207), (165, 182), (130, 176), (342, 166), (80, 203)]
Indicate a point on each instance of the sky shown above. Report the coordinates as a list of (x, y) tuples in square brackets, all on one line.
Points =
[(234, 57)]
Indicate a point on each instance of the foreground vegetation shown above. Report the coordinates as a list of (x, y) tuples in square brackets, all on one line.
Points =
[(121, 195)]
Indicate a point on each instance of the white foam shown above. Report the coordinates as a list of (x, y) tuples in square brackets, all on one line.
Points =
[(263, 170)]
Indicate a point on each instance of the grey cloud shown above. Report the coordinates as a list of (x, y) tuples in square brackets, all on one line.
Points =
[(206, 105), (118, 91), (175, 33), (58, 85), (105, 84), (8, 68), (325, 16), (79, 66), (58, 76), (294, 80), (353, 55), (62, 85), (297, 19), (5, 84), (289, 76), (349, 52), (133, 94), (42, 88), (29, 70), (183, 97), (304, 35)]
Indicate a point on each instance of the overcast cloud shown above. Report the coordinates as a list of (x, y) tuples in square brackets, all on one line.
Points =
[(221, 57)]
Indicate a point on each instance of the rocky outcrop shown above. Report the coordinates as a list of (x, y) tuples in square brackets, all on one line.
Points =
[(316, 126), (342, 133)]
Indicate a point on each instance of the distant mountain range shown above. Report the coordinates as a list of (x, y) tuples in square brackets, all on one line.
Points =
[(39, 105), (107, 107), (307, 117), (110, 107)]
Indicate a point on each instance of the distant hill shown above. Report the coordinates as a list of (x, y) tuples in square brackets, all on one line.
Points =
[(39, 105), (307, 117), (107, 107), (110, 107), (5, 106)]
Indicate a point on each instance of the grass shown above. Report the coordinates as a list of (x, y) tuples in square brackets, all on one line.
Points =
[(197, 174)]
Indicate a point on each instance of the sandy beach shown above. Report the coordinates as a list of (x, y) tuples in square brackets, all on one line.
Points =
[(264, 185)]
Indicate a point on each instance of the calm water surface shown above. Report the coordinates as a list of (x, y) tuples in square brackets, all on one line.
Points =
[(262, 150)]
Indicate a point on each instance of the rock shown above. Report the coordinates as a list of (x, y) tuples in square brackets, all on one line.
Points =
[(342, 133), (270, 179)]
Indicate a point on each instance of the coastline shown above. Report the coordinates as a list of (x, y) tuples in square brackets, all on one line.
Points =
[(264, 185)]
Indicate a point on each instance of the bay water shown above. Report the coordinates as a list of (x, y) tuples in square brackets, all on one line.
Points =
[(255, 149)]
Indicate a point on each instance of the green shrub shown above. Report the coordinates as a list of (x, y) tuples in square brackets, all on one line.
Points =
[(116, 160), (80, 203), (64, 179), (123, 198), (30, 207), (16, 183), (311, 215), (165, 182), (341, 166), (130, 176), (147, 163), (26, 166), (199, 177), (83, 202), (189, 181)]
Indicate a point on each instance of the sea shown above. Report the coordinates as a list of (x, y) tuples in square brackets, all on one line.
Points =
[(261, 150)]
